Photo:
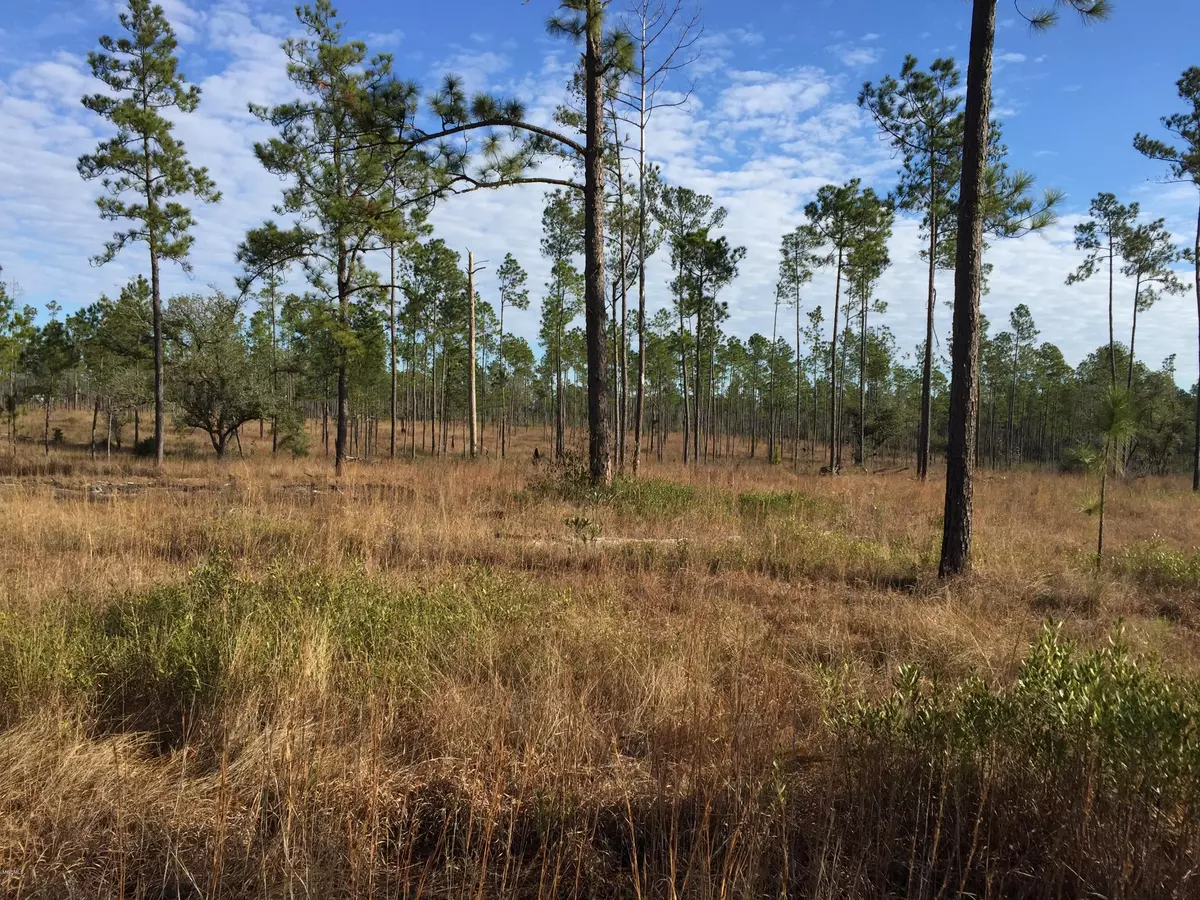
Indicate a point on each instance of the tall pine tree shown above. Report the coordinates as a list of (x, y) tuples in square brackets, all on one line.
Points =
[(144, 159)]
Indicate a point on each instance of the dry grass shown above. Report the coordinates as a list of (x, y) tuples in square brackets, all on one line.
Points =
[(454, 679)]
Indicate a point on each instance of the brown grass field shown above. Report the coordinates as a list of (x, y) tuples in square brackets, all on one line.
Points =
[(446, 678)]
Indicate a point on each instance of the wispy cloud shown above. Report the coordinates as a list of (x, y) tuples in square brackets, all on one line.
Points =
[(855, 55)]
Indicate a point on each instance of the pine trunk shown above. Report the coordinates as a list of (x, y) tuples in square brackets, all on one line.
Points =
[(964, 385)]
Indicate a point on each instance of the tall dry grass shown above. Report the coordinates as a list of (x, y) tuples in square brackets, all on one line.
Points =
[(481, 679)]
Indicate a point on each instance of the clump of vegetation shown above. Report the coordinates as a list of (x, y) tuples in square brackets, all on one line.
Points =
[(760, 505), (1082, 773), (639, 498), (583, 528), (157, 660), (1154, 563)]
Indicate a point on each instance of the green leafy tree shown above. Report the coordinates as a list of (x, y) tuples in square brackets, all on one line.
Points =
[(49, 355), (920, 113), (1115, 424), (144, 159), (968, 271), (708, 265), (460, 166), (514, 292), (797, 261), (1183, 165), (115, 340), (1151, 256), (214, 382), (1103, 237), (1024, 333), (865, 264), (841, 216), (680, 211), (16, 329), (341, 186)]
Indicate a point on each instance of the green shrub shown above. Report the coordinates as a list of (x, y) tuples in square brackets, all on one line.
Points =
[(761, 505), (1153, 562), (641, 498), (159, 660), (1083, 772)]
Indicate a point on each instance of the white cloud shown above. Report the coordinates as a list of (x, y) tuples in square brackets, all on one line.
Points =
[(760, 141), (856, 56), (477, 69)]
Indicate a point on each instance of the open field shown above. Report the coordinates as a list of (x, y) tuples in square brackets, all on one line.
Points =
[(451, 679)]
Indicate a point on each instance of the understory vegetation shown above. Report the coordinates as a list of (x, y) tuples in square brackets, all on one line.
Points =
[(492, 679)]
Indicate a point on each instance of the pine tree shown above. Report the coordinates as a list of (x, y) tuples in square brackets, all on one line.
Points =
[(1103, 236), (969, 270), (921, 116), (144, 159), (341, 183), (1183, 161), (798, 259), (514, 292)]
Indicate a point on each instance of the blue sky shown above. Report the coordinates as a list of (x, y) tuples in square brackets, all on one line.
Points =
[(772, 118)]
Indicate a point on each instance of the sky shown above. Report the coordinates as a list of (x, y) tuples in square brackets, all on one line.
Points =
[(771, 117)]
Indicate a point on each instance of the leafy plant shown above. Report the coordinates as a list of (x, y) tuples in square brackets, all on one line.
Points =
[(584, 528)]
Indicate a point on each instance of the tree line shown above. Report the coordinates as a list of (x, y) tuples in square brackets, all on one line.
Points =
[(390, 329)]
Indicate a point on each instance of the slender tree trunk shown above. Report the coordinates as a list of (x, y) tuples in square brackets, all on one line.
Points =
[(503, 387), (1112, 340), (1012, 402), (833, 394), (560, 407), (599, 461), (472, 408), (841, 395), (46, 429), (771, 387), (640, 401), (687, 415), (924, 431), (1196, 444), (964, 387), (696, 373), (95, 419), (799, 369), (275, 379), (343, 401), (392, 333), (862, 387), (156, 307), (1133, 338)]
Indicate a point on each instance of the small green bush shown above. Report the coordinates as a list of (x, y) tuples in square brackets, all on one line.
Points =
[(1083, 772), (158, 660), (1153, 562), (760, 505), (642, 498)]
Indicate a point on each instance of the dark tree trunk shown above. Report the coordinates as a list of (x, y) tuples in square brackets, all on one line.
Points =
[(964, 385), (599, 461), (95, 420)]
